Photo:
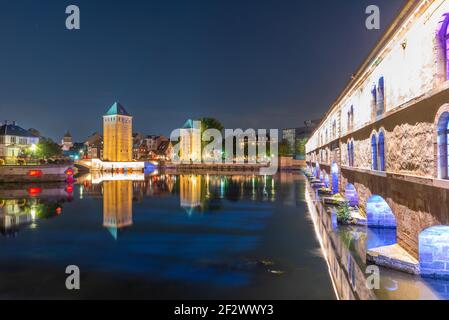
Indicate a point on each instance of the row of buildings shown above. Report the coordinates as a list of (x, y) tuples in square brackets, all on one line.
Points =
[(118, 143), (297, 138), (386, 137)]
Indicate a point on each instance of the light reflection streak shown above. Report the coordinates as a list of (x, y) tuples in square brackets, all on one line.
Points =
[(314, 216)]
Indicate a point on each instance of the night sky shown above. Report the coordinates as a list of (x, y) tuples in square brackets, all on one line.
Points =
[(249, 63)]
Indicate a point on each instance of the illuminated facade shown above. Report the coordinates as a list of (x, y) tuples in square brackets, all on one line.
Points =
[(14, 140), (385, 139), (117, 205), (94, 146), (190, 140), (117, 129), (67, 142)]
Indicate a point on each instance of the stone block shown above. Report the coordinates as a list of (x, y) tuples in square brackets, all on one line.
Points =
[(425, 257)]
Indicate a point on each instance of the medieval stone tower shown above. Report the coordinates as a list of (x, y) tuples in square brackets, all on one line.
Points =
[(117, 130)]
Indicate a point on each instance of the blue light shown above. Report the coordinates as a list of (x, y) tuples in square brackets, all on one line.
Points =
[(351, 195), (149, 168), (334, 170), (374, 152), (326, 181), (380, 237), (379, 214), (434, 252)]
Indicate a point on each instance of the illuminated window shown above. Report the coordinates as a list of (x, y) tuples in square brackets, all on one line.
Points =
[(351, 153), (443, 146), (381, 146), (380, 98), (374, 100), (374, 152), (444, 39), (351, 118)]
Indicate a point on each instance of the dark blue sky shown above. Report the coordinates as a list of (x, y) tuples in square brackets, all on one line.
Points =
[(249, 63)]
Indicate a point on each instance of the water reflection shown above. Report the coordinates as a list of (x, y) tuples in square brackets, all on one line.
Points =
[(173, 236), (191, 236), (199, 193), (190, 192), (23, 205), (345, 247), (117, 205)]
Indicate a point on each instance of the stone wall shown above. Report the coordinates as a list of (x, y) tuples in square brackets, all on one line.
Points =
[(411, 64), (434, 252), (22, 173), (362, 153), (409, 149), (416, 206)]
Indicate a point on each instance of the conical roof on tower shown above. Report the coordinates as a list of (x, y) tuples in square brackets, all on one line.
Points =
[(191, 124), (117, 109)]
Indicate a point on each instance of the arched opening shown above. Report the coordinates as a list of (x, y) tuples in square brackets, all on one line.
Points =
[(317, 171), (379, 214), (352, 153), (380, 100), (351, 195), (334, 129), (326, 180), (443, 146), (351, 118), (381, 147), (381, 222), (443, 36), (349, 153), (374, 152), (434, 252), (334, 173), (373, 101)]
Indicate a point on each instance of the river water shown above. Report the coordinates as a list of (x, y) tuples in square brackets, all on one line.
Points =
[(185, 237)]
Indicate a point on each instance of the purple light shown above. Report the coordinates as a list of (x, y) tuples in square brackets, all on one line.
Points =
[(351, 195), (334, 170)]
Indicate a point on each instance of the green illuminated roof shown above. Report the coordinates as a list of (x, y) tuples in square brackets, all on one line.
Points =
[(191, 124), (113, 231), (117, 109)]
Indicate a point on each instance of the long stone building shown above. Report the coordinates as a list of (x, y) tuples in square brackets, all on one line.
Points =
[(385, 139)]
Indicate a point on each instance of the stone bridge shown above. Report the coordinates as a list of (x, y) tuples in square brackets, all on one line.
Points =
[(415, 210)]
